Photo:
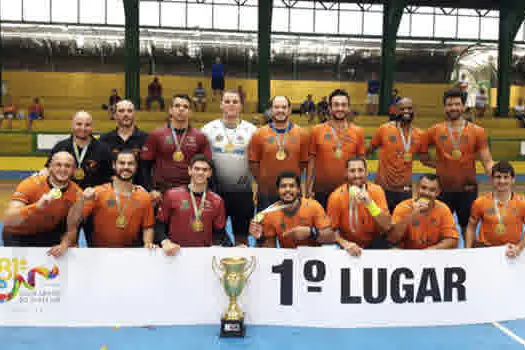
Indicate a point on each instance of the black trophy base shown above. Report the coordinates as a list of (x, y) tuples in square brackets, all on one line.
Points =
[(232, 328)]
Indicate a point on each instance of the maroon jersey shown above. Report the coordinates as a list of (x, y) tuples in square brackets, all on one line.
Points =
[(160, 147), (178, 213)]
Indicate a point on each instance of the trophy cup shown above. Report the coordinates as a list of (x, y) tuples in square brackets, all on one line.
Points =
[(234, 273)]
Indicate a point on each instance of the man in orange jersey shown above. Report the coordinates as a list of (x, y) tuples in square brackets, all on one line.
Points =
[(359, 211), (399, 141), (502, 214), (424, 222), (122, 213), (293, 221), (457, 143), (36, 214), (277, 147), (331, 144)]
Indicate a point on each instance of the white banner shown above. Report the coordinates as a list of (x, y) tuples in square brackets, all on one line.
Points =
[(46, 142), (320, 287)]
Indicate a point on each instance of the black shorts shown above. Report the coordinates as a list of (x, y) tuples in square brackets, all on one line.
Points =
[(461, 203), (322, 198), (239, 207), (40, 239), (217, 83), (394, 198)]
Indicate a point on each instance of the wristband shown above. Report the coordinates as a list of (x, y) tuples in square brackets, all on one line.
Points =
[(373, 209), (314, 233), (28, 210)]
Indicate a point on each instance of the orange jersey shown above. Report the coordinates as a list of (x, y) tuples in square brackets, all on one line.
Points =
[(138, 211), (365, 229), (455, 173), (394, 172), (310, 213), (263, 148), (50, 217), (513, 217), (429, 228), (330, 172), (10, 108)]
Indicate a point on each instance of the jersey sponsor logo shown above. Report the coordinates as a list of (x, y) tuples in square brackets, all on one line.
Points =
[(392, 138), (415, 223), (185, 204), (443, 137), (219, 138), (111, 202), (327, 137), (270, 139), (144, 148), (168, 140), (491, 211), (283, 225)]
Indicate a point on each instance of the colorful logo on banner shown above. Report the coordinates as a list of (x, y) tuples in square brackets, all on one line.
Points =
[(13, 270)]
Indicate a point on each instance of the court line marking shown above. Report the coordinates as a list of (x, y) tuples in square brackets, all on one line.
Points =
[(509, 333)]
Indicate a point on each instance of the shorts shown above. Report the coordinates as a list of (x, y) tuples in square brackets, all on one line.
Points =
[(373, 99), (32, 116), (217, 83), (199, 100), (394, 198), (40, 239), (8, 115), (461, 203)]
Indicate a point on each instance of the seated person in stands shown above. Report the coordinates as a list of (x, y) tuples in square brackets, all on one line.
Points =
[(519, 112), (242, 96), (9, 113), (114, 98), (199, 97), (392, 107), (35, 111), (501, 213), (323, 110), (424, 222), (308, 108), (155, 94), (482, 101)]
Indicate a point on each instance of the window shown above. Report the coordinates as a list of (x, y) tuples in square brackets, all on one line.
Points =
[(93, 11), (200, 15), (373, 23), (422, 25), (36, 10), (64, 11), (404, 25), (225, 17), (350, 22), (445, 26), (172, 14), (489, 28), (468, 27), (11, 10), (301, 21), (116, 12), (280, 19), (149, 13), (249, 18), (325, 21)]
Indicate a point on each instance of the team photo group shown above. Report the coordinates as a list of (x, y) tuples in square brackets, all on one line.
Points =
[(280, 185)]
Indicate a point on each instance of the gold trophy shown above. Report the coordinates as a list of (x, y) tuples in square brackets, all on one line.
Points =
[(234, 273)]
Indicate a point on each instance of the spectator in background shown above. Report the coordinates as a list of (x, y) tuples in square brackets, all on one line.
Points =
[(114, 98), (155, 94), (242, 96), (322, 110), (482, 100), (199, 97), (35, 111), (217, 78), (519, 112), (308, 108), (392, 107), (373, 86), (9, 113)]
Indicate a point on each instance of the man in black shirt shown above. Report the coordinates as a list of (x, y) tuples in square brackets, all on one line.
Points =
[(127, 136)]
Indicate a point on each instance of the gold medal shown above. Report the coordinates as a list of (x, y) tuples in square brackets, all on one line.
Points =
[(407, 157), (79, 174), (56, 193), (229, 148), (281, 155), (121, 221), (456, 154), (501, 228), (338, 153), (197, 225), (258, 218), (178, 156)]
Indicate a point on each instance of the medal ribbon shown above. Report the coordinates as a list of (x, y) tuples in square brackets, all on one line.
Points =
[(224, 129), (198, 212), (281, 142), (178, 145), (353, 212), (496, 209), (407, 142), (120, 208), (79, 157), (336, 136), (455, 141)]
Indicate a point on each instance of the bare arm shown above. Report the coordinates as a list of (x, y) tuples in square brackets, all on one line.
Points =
[(326, 236), (397, 231), (447, 243), (148, 236), (74, 218), (486, 160), (470, 235), (13, 216), (310, 175), (270, 242)]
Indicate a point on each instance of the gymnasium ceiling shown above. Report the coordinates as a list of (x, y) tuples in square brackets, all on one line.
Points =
[(473, 4)]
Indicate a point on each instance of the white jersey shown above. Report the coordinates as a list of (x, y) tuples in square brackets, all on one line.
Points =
[(519, 109), (231, 167)]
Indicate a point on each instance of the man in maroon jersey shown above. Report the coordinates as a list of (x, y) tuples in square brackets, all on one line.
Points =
[(192, 215), (168, 150)]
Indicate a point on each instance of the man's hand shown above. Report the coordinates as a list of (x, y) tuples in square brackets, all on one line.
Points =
[(513, 250), (89, 193), (298, 233), (256, 230), (59, 249), (170, 248), (362, 197), (156, 196), (420, 206), (351, 248), (44, 201), (150, 245)]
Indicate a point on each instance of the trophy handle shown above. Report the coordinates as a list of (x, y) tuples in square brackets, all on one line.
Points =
[(250, 268), (216, 268)]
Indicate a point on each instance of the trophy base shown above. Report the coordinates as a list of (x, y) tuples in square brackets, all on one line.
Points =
[(232, 328)]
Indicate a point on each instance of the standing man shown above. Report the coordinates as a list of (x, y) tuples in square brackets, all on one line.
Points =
[(192, 215), (331, 145), (127, 135), (399, 141), (155, 94), (168, 150), (217, 78), (457, 143), (36, 215), (229, 138), (293, 221), (277, 147), (122, 213), (373, 87), (359, 211), (424, 222), (93, 159), (502, 214)]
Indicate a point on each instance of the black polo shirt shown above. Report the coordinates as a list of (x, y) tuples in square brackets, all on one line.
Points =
[(115, 144), (96, 164)]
